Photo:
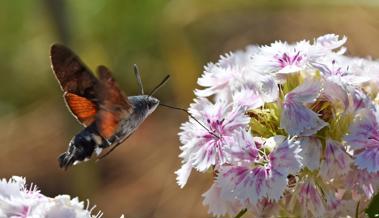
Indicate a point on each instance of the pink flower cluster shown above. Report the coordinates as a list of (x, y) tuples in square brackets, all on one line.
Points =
[(291, 130)]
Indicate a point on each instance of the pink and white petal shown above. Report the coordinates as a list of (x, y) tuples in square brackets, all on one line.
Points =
[(298, 120), (209, 91), (183, 174), (335, 91), (332, 202), (363, 128), (268, 88), (190, 148), (368, 159), (310, 152), (276, 184), (207, 155), (243, 183), (242, 147), (239, 58), (247, 98), (330, 41), (358, 99), (214, 78), (218, 206), (200, 107), (333, 205), (361, 183), (273, 142), (282, 73), (311, 198), (285, 157), (264, 208), (264, 61), (186, 136), (307, 92), (236, 119), (337, 162)]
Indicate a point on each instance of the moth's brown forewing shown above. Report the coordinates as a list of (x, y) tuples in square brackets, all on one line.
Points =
[(77, 82), (88, 98)]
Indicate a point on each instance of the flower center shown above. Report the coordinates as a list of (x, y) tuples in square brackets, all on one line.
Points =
[(217, 128), (286, 60)]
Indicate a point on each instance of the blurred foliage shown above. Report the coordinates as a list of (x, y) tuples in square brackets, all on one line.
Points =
[(161, 36)]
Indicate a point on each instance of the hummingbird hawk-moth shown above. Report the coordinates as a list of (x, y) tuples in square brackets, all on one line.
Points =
[(108, 115)]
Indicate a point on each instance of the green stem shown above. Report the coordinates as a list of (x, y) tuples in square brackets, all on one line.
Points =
[(241, 213), (357, 210)]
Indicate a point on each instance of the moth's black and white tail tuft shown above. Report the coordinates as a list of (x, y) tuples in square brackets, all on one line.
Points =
[(81, 147)]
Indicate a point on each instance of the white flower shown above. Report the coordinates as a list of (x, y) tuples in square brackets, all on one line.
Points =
[(18, 201), (282, 58)]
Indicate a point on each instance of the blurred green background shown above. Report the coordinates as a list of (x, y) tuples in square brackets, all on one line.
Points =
[(161, 36)]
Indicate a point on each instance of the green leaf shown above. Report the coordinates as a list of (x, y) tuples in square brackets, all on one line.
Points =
[(373, 208)]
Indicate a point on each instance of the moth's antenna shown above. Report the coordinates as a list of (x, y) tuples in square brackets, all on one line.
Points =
[(159, 85), (189, 114), (138, 76)]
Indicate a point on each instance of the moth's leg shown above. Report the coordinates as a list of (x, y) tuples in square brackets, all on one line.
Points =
[(112, 148)]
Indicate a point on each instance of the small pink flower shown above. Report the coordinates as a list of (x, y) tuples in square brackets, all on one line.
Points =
[(204, 148), (282, 58), (264, 178)]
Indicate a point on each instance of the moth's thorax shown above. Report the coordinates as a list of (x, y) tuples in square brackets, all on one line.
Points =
[(143, 106)]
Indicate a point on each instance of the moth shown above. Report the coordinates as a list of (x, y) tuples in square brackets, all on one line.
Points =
[(108, 115)]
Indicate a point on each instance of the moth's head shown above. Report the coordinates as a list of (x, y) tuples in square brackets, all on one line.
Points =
[(152, 103)]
